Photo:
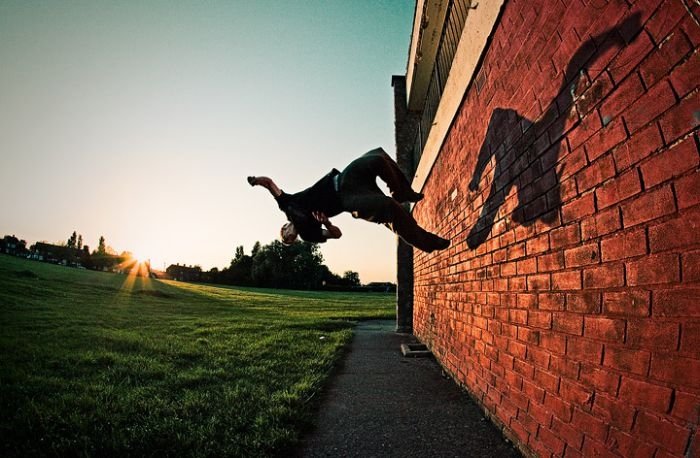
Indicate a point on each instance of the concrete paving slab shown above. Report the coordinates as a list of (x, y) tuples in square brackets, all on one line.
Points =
[(381, 404)]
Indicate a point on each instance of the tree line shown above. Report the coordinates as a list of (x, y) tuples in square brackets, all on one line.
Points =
[(275, 265)]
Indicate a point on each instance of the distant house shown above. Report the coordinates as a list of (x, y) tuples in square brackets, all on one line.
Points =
[(57, 254), (184, 273), (381, 287), (13, 246)]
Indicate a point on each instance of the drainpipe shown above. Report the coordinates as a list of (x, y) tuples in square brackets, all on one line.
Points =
[(405, 123)]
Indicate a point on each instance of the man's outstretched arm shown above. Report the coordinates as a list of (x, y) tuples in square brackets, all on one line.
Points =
[(267, 183), (331, 231)]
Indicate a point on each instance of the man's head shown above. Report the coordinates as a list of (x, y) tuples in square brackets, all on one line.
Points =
[(288, 233)]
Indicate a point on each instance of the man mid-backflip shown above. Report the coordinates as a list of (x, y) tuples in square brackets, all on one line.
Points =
[(353, 190)]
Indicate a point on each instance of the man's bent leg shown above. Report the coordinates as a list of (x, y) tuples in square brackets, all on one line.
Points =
[(377, 163), (378, 208)]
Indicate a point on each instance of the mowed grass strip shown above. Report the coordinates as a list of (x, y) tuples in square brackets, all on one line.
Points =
[(101, 364)]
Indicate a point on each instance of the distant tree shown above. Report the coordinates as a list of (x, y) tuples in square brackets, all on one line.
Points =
[(256, 249), (351, 278), (239, 271), (72, 240), (101, 247), (80, 242), (298, 266)]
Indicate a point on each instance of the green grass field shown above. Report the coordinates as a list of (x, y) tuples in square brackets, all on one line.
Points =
[(102, 364)]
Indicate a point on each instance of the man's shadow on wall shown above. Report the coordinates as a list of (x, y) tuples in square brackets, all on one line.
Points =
[(518, 161)]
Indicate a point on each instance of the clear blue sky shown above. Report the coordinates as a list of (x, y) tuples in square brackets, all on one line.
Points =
[(139, 121)]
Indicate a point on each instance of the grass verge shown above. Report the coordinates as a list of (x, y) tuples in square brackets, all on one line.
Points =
[(102, 364)]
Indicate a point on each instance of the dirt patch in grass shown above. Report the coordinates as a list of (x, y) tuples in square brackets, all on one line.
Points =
[(152, 293), (24, 274)]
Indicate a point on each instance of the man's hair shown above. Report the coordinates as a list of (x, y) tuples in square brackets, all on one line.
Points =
[(288, 233)]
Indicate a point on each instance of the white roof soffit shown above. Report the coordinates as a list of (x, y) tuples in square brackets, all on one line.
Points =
[(427, 30), (477, 29)]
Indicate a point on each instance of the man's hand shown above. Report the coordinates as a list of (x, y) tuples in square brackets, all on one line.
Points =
[(267, 183), (320, 217), (331, 231)]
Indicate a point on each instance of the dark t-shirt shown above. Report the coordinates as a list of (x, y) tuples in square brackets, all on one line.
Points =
[(298, 207)]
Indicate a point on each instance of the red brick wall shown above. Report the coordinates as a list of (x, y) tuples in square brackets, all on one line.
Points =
[(573, 316)]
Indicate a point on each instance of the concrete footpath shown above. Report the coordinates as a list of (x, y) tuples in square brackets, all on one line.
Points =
[(380, 403)]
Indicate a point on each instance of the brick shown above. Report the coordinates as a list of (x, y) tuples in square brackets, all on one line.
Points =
[(519, 430), (677, 302), (670, 163), (605, 140), (553, 341), (562, 281), (682, 372), (643, 394), (671, 436), (624, 245), (665, 57), (650, 106), (653, 334), (578, 208), (627, 303), (690, 337), (551, 301), (583, 302), (630, 56), (550, 262), (538, 282), (560, 408), (584, 349), (686, 188), (594, 94), (526, 300), (564, 367), (541, 320), (663, 21), (595, 173), (547, 381), (536, 394), (551, 441), (537, 245), (602, 223), (597, 449), (600, 328), (538, 448), (527, 266), (582, 256), (592, 426), (684, 78), (626, 360), (599, 379), (572, 436), (681, 119), (576, 394), (639, 146), (687, 407), (623, 96), (614, 412), (628, 445), (649, 206), (571, 163), (605, 276), (566, 235), (568, 323), (655, 269), (680, 232), (621, 188)]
